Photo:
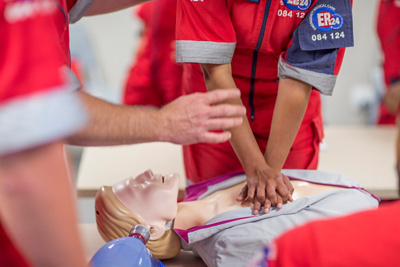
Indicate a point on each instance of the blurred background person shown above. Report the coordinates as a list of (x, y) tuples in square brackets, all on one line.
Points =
[(154, 77), (388, 30)]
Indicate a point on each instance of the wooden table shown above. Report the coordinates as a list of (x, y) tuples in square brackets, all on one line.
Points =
[(107, 165), (363, 153)]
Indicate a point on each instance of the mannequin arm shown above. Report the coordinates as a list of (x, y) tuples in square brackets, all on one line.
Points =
[(37, 207), (291, 104), (262, 180), (186, 120)]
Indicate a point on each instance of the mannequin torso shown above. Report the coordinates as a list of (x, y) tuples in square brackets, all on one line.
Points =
[(195, 213)]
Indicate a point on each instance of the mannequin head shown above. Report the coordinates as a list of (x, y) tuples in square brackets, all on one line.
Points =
[(151, 196), (147, 199)]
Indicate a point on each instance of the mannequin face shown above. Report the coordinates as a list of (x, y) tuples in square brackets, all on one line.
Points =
[(153, 197)]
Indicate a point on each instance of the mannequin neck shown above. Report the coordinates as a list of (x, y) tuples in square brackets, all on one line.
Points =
[(195, 213)]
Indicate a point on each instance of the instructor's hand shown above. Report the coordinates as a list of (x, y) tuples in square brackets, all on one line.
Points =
[(194, 118)]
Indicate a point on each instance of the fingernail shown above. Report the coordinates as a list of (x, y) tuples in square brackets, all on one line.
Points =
[(266, 210), (279, 205)]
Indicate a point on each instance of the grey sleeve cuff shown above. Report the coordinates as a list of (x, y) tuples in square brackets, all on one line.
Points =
[(73, 81), (79, 10), (320, 81), (38, 119), (204, 52)]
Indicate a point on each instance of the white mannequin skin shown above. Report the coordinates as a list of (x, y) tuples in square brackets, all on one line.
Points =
[(153, 197)]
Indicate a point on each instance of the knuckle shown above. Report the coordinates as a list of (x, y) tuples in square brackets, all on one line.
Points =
[(261, 196), (223, 110), (272, 195), (285, 194)]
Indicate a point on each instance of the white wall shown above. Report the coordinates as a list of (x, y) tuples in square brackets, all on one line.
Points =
[(359, 61), (114, 38)]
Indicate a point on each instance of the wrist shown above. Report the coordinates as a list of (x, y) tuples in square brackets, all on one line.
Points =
[(255, 166), (162, 126), (146, 124)]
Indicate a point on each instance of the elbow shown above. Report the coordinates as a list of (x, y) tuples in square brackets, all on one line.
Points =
[(216, 72)]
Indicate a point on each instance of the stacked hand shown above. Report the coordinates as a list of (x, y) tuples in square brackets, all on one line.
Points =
[(266, 187)]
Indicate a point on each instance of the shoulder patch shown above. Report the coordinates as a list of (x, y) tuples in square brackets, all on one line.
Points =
[(326, 19), (328, 25)]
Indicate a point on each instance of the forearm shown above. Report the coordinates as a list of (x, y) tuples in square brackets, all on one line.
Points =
[(112, 124), (291, 104), (105, 6), (38, 209), (242, 140), (391, 98)]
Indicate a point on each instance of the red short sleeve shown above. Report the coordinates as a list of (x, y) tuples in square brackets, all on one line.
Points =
[(36, 106), (204, 32), (30, 61)]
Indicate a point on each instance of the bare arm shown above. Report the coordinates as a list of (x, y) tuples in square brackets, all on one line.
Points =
[(391, 99), (106, 6), (37, 207), (291, 104), (188, 119), (262, 180)]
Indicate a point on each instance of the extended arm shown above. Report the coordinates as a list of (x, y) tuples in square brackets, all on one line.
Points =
[(291, 104), (37, 207), (262, 180), (188, 119)]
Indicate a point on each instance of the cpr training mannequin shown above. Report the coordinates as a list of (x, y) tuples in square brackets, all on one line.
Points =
[(210, 220)]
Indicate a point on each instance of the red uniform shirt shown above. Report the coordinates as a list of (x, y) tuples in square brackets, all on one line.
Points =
[(263, 41), (388, 29), (369, 238), (25, 46), (36, 105)]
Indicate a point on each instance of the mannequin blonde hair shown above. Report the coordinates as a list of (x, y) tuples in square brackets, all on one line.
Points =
[(114, 220)]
